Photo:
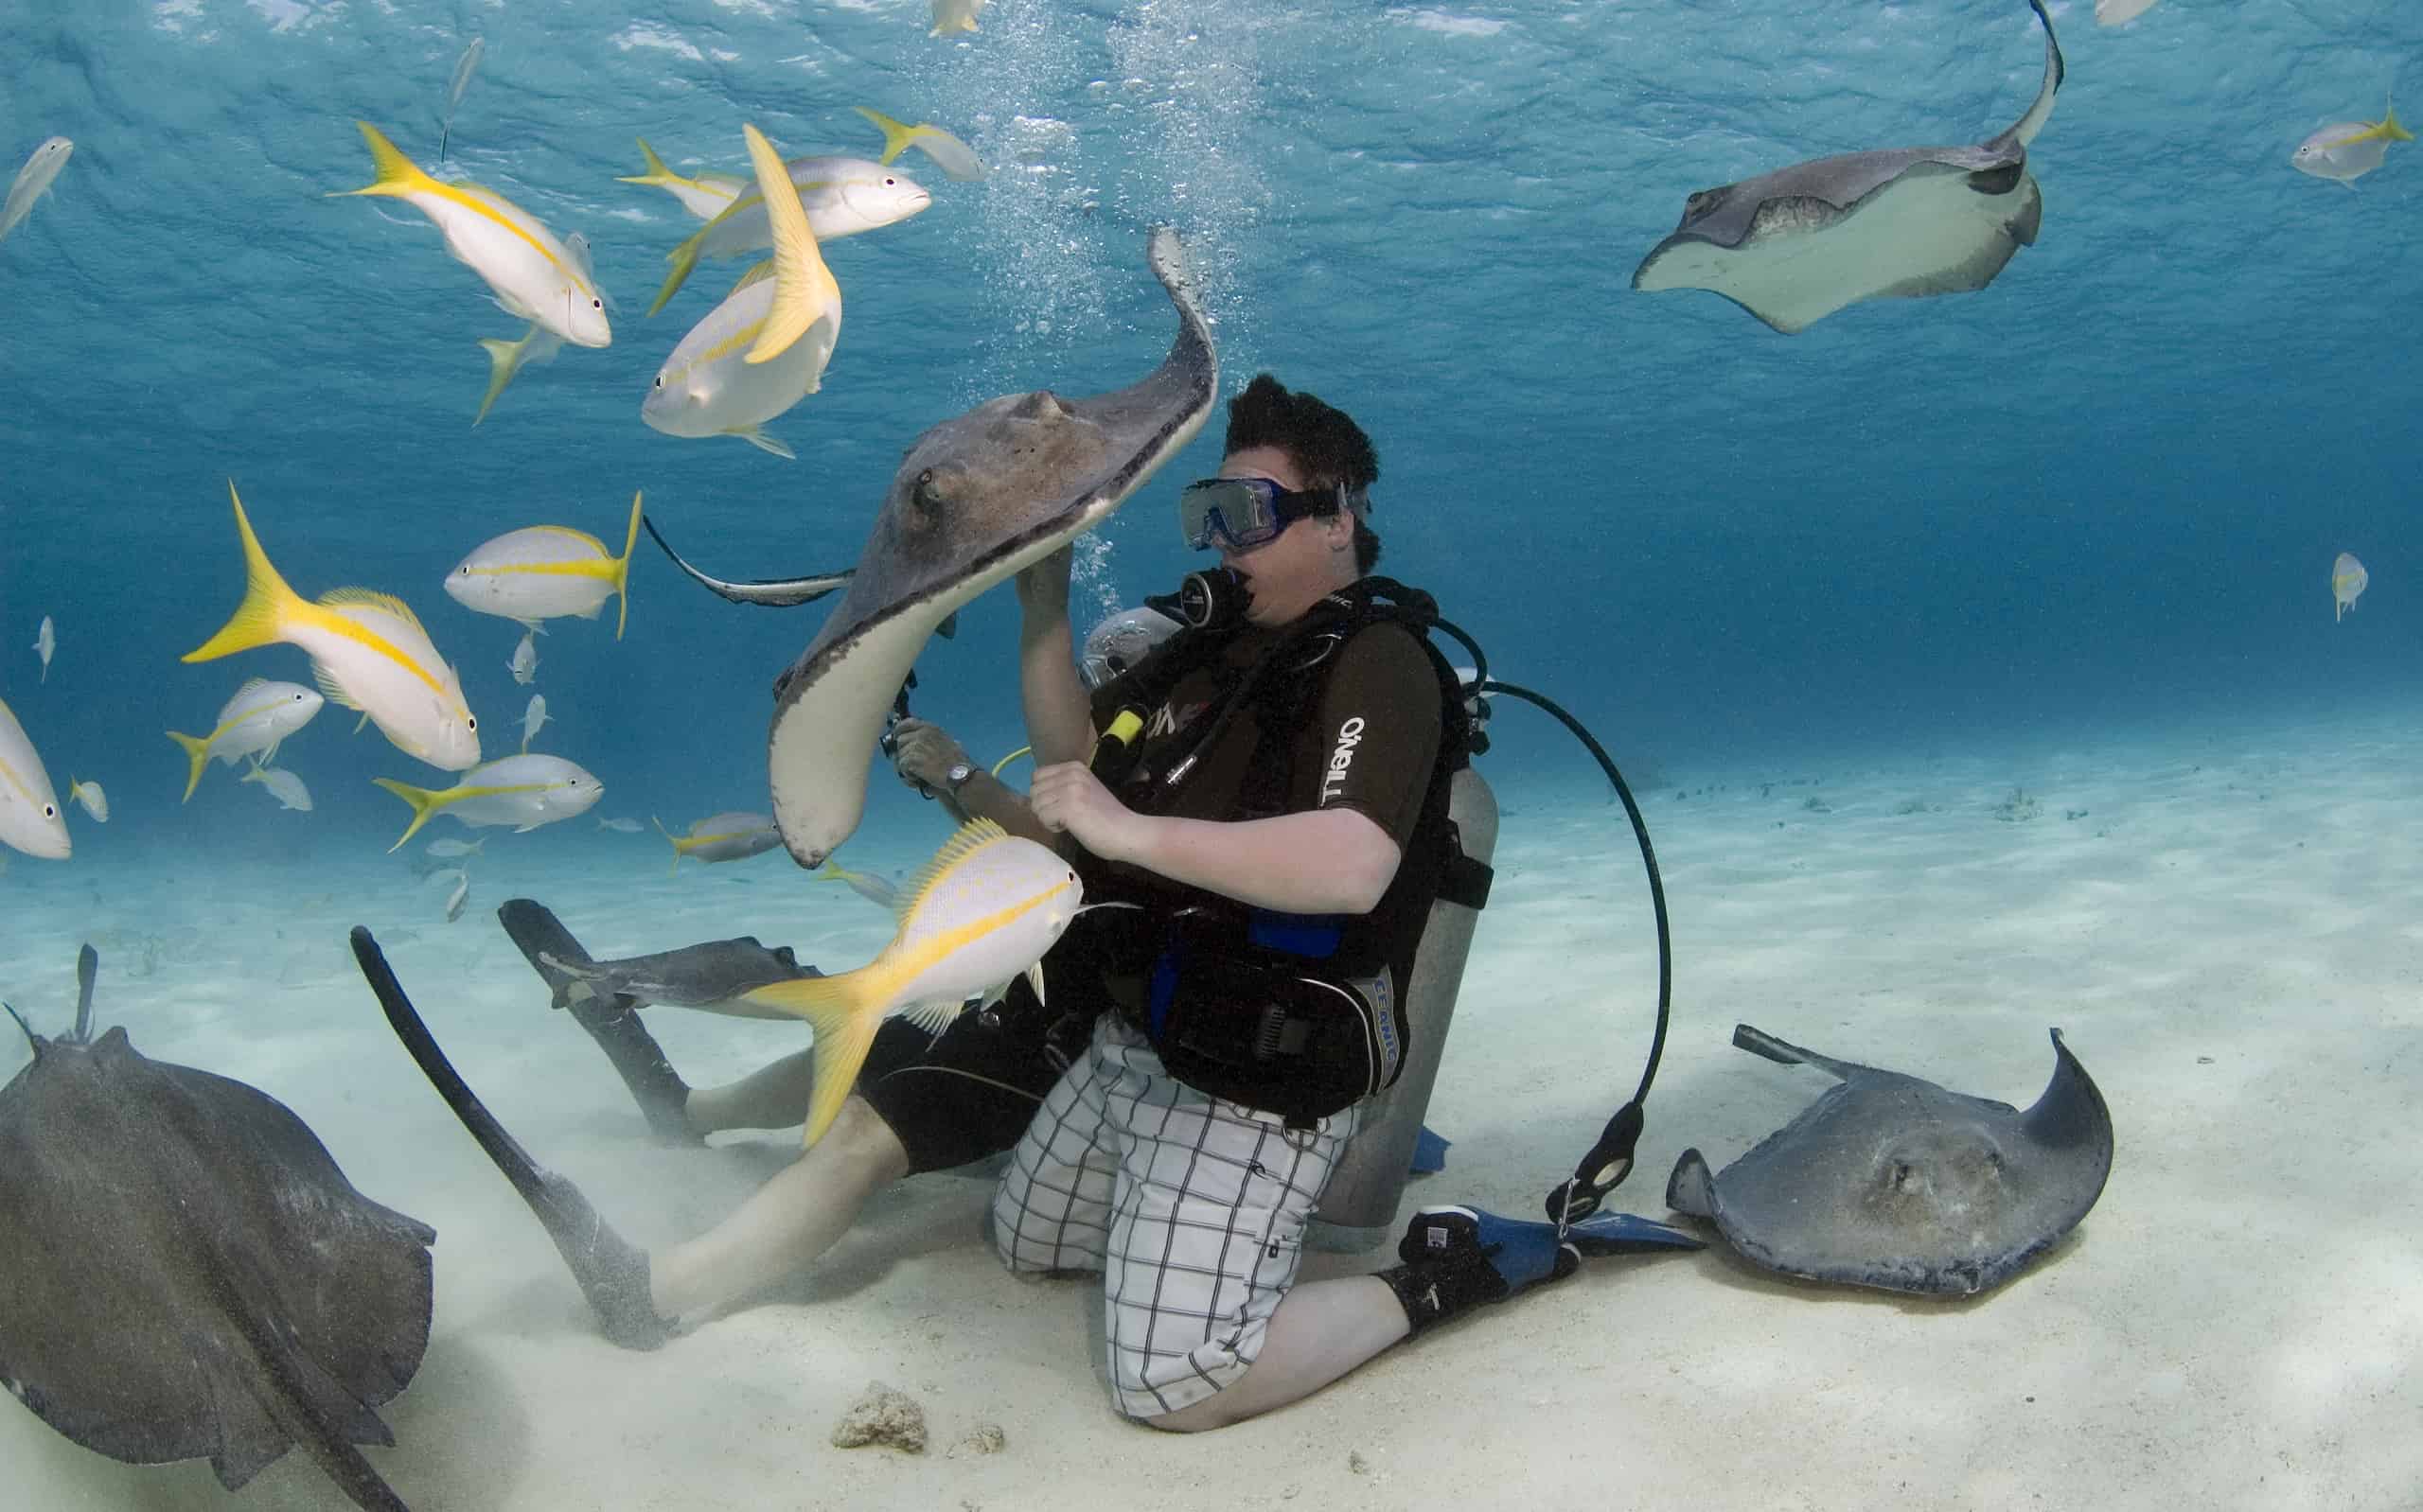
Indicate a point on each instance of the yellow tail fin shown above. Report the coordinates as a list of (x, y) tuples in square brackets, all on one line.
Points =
[(897, 136), (397, 174), (804, 289), (623, 569), (258, 621), (505, 359), (657, 172), (685, 260), (424, 803), (680, 847), (197, 757), (845, 1023), (2390, 127)]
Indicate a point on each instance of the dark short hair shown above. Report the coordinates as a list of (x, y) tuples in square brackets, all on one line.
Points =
[(1329, 449)]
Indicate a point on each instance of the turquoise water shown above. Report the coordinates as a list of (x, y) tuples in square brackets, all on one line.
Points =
[(2090, 508)]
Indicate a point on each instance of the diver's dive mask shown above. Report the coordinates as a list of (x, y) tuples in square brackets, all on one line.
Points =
[(1239, 513)]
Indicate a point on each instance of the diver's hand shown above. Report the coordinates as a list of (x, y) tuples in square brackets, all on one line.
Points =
[(923, 754), (1043, 589), (1072, 800)]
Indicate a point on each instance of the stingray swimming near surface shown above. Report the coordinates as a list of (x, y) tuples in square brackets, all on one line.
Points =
[(1793, 246), (977, 499), (1890, 1182), (184, 1273)]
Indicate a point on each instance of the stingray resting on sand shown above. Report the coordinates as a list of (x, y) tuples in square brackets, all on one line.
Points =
[(184, 1273), (1890, 1182), (977, 499), (1793, 246)]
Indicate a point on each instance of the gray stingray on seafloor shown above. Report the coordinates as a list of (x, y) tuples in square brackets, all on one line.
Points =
[(1891, 1182), (184, 1273), (1793, 246), (977, 499)]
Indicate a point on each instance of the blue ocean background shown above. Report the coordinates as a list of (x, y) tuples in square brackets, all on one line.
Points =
[(2100, 497)]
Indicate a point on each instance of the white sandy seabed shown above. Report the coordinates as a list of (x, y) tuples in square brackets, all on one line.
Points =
[(2223, 928)]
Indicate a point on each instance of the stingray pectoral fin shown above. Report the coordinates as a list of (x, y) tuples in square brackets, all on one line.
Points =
[(817, 750), (1691, 1188), (2071, 1115), (611, 1271)]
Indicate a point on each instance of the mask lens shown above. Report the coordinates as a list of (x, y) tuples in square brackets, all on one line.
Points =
[(1241, 512)]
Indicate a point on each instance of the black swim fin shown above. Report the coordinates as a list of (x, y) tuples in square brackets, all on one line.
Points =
[(612, 1271), (613, 1021)]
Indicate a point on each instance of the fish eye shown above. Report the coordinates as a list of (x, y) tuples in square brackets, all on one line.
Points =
[(472, 722), (892, 184), (50, 811), (597, 303), (660, 380), (925, 495)]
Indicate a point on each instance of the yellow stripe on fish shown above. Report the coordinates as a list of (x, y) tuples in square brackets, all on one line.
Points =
[(984, 910), (357, 663)]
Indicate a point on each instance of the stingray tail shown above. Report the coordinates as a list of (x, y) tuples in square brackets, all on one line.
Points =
[(88, 966)]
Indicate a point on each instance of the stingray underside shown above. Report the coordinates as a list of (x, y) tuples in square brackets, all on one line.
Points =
[(184, 1273), (978, 498), (1891, 1182), (1796, 246)]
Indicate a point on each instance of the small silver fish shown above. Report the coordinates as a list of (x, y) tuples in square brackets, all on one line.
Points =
[(2347, 581), (32, 180), (96, 802), (283, 786), (455, 849), (532, 718), (45, 642), (622, 826), (456, 898), (2346, 150), (526, 658)]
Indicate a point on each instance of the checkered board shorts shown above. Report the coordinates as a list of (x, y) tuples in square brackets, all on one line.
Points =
[(1193, 1209)]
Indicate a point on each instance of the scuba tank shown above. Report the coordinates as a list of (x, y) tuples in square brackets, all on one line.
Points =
[(1358, 1209)]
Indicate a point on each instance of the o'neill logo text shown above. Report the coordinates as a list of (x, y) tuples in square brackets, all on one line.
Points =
[(1350, 735)]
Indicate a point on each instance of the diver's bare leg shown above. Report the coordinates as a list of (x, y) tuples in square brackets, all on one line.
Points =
[(772, 1098), (1321, 1330), (789, 1222)]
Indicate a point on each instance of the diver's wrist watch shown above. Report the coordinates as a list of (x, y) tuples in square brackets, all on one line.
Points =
[(957, 777)]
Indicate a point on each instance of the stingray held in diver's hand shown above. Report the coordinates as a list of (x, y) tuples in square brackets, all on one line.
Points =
[(977, 499), (184, 1273), (1793, 246), (1890, 1182)]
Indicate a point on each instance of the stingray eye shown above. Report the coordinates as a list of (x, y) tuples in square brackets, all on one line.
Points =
[(927, 495)]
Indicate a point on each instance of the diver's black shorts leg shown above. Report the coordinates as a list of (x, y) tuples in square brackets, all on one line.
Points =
[(612, 1271), (613, 1021)]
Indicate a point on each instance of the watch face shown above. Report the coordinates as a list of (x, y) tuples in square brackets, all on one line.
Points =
[(958, 776)]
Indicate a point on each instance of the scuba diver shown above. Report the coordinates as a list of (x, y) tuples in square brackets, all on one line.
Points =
[(1260, 815), (1295, 687)]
